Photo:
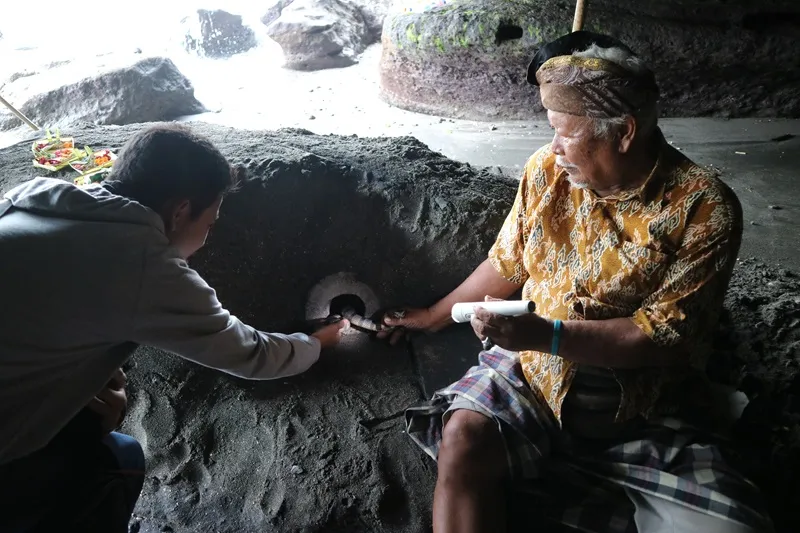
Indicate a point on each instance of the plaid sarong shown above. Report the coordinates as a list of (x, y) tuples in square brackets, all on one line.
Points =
[(585, 487)]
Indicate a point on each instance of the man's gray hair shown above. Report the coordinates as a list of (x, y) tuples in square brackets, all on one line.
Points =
[(646, 119)]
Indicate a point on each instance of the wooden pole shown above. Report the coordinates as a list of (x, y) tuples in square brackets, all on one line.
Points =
[(19, 114), (580, 11)]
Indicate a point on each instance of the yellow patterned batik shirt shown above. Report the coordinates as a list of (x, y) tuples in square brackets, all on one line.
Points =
[(661, 254)]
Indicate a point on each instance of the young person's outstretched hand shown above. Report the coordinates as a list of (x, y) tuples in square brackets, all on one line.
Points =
[(111, 403), (331, 334)]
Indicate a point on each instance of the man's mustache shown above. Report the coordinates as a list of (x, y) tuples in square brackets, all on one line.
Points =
[(563, 164)]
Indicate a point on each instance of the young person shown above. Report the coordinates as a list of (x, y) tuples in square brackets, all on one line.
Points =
[(87, 275)]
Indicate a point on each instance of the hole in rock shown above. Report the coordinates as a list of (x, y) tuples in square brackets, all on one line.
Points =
[(348, 302), (508, 32)]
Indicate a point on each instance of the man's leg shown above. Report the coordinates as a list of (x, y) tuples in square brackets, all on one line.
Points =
[(657, 515), (473, 469)]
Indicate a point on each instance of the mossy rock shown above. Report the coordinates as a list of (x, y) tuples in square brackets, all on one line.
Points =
[(468, 59)]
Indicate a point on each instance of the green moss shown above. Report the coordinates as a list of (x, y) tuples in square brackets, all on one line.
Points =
[(464, 26), (595, 27), (535, 32), (411, 33)]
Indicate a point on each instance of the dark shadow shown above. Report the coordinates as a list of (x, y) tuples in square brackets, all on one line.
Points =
[(771, 21)]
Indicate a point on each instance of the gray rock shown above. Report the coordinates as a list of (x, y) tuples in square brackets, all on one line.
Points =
[(469, 59), (217, 33), (122, 92), (319, 34), (374, 13), (274, 11)]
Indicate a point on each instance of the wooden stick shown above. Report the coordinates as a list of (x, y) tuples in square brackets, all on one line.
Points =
[(19, 114), (580, 11)]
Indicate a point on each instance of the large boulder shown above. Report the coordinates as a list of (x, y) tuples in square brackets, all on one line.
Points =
[(274, 11), (319, 34), (113, 91), (217, 33), (373, 11), (468, 59)]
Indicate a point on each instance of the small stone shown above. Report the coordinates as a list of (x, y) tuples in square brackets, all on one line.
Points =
[(753, 223), (312, 117), (137, 50), (296, 470), (493, 128), (775, 207)]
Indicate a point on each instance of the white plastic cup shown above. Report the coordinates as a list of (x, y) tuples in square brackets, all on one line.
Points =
[(463, 312)]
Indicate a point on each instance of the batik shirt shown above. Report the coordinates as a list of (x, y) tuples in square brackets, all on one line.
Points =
[(660, 254)]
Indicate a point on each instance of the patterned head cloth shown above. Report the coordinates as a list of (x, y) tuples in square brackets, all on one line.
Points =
[(588, 86)]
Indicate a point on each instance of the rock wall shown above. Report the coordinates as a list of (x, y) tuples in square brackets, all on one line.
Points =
[(468, 59)]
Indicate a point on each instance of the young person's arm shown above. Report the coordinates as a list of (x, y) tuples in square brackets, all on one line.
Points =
[(178, 312)]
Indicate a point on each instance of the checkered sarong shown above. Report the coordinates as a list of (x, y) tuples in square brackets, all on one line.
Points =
[(584, 489)]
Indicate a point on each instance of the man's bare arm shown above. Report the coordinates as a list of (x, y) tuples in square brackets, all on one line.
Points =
[(614, 343)]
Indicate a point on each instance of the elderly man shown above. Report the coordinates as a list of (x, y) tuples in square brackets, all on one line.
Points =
[(626, 247)]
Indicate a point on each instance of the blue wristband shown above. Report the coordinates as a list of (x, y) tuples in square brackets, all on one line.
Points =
[(556, 337)]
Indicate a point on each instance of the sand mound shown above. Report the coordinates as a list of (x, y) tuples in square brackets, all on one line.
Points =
[(325, 451)]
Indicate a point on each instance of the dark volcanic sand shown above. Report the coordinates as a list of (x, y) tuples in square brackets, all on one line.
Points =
[(325, 451)]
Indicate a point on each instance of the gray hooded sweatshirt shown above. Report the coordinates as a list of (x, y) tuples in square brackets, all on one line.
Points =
[(85, 277)]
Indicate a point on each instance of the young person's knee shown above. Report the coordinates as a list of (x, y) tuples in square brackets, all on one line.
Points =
[(472, 447), (127, 451)]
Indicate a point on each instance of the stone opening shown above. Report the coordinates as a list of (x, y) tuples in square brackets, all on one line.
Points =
[(508, 32), (347, 303)]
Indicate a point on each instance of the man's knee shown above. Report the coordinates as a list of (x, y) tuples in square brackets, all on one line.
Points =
[(474, 439)]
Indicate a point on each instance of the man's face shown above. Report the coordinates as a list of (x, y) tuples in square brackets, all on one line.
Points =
[(189, 235), (590, 162)]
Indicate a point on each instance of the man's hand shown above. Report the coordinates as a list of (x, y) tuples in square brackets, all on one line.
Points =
[(111, 403), (401, 321), (518, 333), (331, 334)]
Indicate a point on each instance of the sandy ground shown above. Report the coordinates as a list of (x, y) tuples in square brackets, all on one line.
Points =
[(325, 451)]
